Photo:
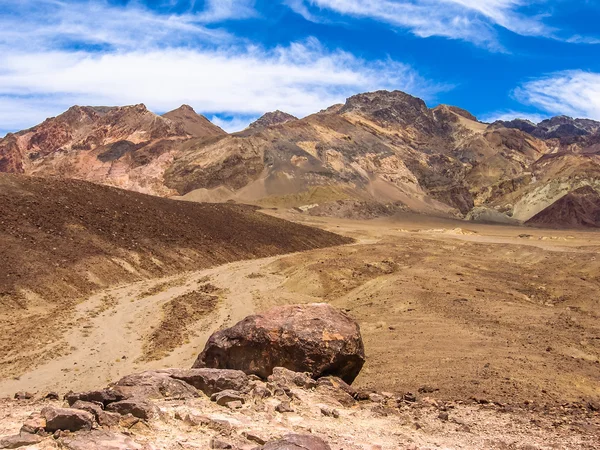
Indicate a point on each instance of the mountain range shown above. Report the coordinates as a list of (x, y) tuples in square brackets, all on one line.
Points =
[(376, 154)]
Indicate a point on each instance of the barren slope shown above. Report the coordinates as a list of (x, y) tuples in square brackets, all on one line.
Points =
[(64, 239)]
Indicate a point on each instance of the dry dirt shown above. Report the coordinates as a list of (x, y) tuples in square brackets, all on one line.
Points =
[(495, 313)]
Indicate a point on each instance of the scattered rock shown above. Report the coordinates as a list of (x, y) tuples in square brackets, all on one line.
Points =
[(443, 416), (52, 396), (235, 404), (330, 412), (409, 397), (139, 408), (315, 338), (298, 442), (99, 440), (285, 377), (23, 395), (34, 424), (254, 438), (153, 385), (211, 381), (20, 440), (224, 397), (218, 444), (67, 419), (284, 407), (128, 421), (104, 396), (376, 398)]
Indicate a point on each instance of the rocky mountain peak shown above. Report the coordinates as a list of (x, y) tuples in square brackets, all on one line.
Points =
[(272, 118), (193, 123)]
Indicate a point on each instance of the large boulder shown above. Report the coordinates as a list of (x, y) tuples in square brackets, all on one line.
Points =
[(298, 442), (315, 338), (67, 419)]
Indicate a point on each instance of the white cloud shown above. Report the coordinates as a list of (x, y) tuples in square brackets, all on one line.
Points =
[(469, 20), (301, 78), (511, 115), (46, 24), (235, 123), (574, 93)]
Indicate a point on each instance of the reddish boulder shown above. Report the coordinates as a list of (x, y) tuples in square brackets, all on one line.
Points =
[(315, 338), (67, 419), (211, 381)]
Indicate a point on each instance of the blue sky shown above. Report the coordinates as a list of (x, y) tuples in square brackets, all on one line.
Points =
[(233, 60)]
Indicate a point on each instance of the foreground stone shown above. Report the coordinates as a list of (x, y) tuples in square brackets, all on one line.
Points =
[(211, 381), (153, 385), (298, 442), (99, 440), (316, 339), (139, 408), (67, 419), (20, 440)]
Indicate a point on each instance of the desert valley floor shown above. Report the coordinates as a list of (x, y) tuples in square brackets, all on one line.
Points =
[(452, 310)]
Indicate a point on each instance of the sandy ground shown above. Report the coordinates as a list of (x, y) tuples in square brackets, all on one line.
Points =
[(460, 310)]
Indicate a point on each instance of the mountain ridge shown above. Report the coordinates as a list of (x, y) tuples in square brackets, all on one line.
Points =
[(380, 147)]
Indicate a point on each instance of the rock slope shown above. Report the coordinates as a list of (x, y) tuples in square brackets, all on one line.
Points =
[(380, 151)]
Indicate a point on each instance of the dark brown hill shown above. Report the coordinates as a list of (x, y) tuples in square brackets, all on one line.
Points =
[(61, 238), (580, 208)]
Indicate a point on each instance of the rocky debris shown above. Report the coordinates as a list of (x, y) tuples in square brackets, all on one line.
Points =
[(52, 396), (286, 377), (140, 408), (23, 396), (298, 442), (20, 440), (67, 419), (104, 397), (211, 381), (35, 424), (315, 338), (284, 407), (219, 444), (104, 418), (223, 398), (100, 440), (153, 385)]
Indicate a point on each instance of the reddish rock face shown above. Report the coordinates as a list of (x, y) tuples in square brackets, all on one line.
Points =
[(316, 338)]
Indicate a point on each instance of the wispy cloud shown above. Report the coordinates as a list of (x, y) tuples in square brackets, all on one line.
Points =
[(511, 115), (300, 78), (468, 20), (574, 93), (101, 54)]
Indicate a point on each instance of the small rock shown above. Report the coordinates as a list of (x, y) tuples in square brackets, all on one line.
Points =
[(141, 409), (35, 424), (284, 407), (224, 397), (409, 397), (104, 396), (330, 412), (67, 419), (427, 390), (593, 405), (218, 444), (443, 416), (261, 392), (211, 381), (23, 395), (127, 421), (100, 440), (298, 442), (20, 440), (52, 396), (376, 398), (153, 385), (286, 377), (234, 405), (254, 438)]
